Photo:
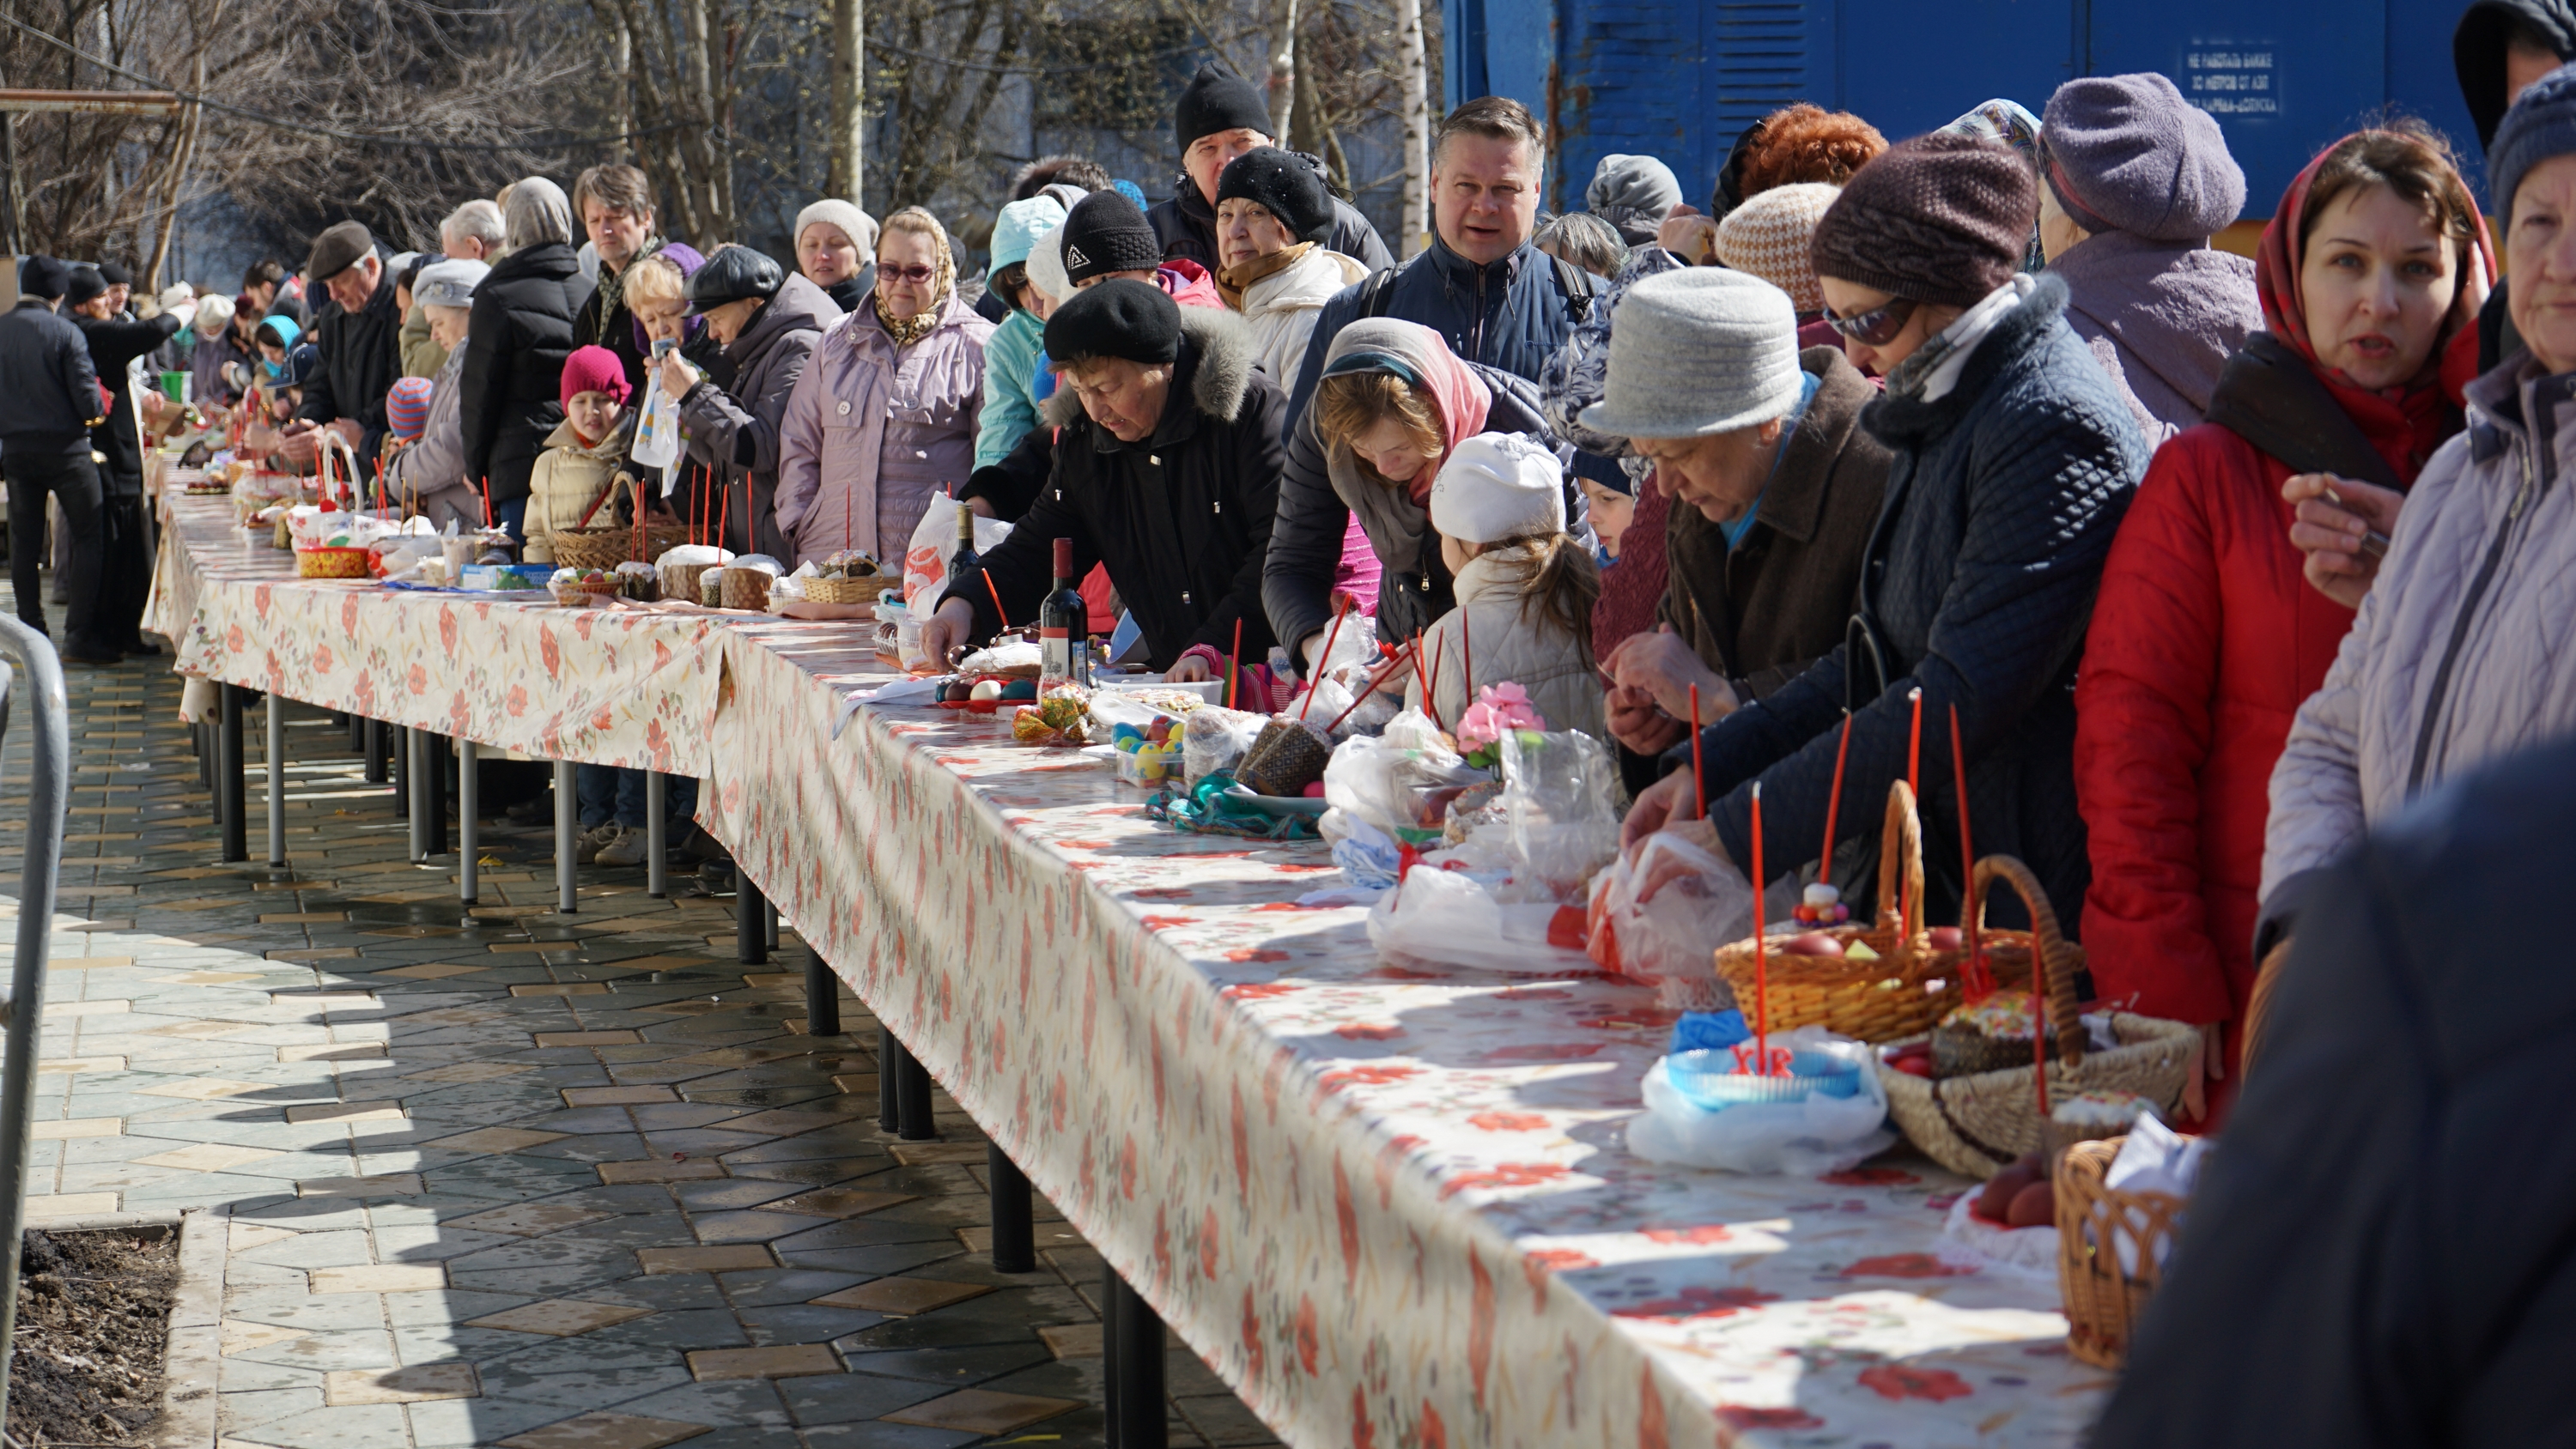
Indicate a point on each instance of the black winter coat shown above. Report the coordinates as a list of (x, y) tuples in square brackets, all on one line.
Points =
[(2378, 1255), (1181, 519), (1512, 315), (1186, 226), (48, 389), (1978, 583), (516, 341), (361, 360), (112, 345), (1306, 537)]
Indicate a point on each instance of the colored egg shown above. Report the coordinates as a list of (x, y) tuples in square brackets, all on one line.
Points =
[(2034, 1206), (1020, 689), (1811, 943), (1948, 938), (985, 689)]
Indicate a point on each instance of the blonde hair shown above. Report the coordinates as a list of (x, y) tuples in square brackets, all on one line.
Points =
[(1348, 404), (1559, 582), (655, 279)]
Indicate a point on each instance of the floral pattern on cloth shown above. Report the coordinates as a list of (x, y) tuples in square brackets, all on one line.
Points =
[(603, 686), (1387, 1206)]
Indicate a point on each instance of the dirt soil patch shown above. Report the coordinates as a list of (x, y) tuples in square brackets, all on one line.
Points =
[(93, 1321)]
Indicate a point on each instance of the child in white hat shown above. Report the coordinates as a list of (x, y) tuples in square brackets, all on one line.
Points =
[(1525, 587)]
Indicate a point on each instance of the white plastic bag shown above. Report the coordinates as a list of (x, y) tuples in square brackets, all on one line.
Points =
[(1971, 1241), (2155, 1158), (925, 559), (657, 433), (1560, 793), (1670, 938), (1399, 782), (1450, 918), (1820, 1134)]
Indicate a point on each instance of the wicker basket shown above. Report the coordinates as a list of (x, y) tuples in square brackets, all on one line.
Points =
[(680, 581), (746, 588), (584, 593), (2103, 1303), (604, 548), (1873, 1001), (1976, 1124), (861, 590), (331, 563)]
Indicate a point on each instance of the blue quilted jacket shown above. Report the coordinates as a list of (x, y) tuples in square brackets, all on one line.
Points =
[(1977, 587)]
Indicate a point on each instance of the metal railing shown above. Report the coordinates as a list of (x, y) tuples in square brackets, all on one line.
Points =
[(48, 794)]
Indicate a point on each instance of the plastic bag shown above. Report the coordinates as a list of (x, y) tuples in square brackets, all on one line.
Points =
[(1213, 739), (1438, 917), (925, 559), (1560, 793), (1400, 782), (657, 432), (1820, 1134), (2155, 1158), (1368, 856), (1672, 937)]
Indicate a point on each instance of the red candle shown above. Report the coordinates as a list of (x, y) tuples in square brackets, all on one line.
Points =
[(1976, 981), (1341, 606), (997, 598), (1699, 772), (1233, 661), (1761, 963), (1466, 657), (1833, 804), (1914, 748)]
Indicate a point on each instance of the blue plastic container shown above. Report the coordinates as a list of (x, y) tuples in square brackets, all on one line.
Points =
[(1709, 1079)]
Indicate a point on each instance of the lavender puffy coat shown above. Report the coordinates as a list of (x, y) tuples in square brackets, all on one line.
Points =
[(872, 432)]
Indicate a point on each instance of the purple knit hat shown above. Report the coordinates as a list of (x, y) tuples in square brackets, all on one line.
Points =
[(407, 407), (687, 259), (2128, 153)]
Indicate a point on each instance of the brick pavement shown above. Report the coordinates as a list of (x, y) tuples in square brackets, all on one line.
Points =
[(523, 1179)]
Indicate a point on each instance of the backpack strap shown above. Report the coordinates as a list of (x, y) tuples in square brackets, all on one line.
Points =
[(1578, 287), (1377, 293)]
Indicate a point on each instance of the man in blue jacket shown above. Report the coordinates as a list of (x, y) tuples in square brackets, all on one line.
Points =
[(49, 400), (1496, 299)]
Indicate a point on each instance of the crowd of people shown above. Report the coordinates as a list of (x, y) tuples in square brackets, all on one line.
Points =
[(1974, 443)]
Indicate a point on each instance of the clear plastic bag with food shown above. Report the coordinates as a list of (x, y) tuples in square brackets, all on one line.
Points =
[(1214, 738), (1660, 916), (1560, 794)]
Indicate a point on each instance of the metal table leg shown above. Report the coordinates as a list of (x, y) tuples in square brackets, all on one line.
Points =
[(1015, 1243), (1132, 1372), (912, 1099), (889, 1095), (657, 835), (276, 783), (822, 996), (750, 933), (228, 776), (768, 924), (433, 766), (567, 837), (415, 753), (372, 747), (469, 844)]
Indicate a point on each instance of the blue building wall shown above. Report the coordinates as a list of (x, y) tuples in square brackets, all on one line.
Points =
[(1680, 80)]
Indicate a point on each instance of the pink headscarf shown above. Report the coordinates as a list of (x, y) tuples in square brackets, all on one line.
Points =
[(1416, 354)]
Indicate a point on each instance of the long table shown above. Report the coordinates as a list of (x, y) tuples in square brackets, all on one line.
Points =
[(1388, 1206)]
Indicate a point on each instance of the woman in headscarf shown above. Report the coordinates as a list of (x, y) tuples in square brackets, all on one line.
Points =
[(885, 414), (2207, 638), (517, 338), (1392, 402)]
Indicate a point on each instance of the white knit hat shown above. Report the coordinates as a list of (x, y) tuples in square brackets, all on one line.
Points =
[(1497, 486), (450, 283), (1699, 351), (860, 227), (214, 313), (1768, 237), (1046, 265)]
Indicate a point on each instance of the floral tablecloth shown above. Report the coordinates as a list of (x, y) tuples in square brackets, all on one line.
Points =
[(605, 686), (1391, 1208)]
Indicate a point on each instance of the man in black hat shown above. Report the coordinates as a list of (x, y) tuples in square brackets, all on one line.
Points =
[(49, 400), (1219, 117), (125, 549), (120, 288), (1166, 470), (360, 338)]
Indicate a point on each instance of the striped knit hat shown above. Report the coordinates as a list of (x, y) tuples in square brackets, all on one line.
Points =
[(407, 407), (1767, 236)]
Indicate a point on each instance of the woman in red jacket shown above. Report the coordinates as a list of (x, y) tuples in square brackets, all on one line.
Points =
[(2207, 636)]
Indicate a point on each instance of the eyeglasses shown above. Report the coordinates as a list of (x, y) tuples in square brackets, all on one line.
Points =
[(1878, 327), (907, 274)]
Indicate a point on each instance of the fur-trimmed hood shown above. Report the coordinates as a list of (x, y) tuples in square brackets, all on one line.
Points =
[(1215, 369)]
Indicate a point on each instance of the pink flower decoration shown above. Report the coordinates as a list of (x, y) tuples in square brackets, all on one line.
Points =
[(1498, 707)]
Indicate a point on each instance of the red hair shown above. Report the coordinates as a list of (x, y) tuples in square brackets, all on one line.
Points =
[(1809, 143)]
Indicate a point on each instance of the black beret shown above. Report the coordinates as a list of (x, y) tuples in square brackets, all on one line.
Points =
[(733, 274), (1121, 317), (1284, 184)]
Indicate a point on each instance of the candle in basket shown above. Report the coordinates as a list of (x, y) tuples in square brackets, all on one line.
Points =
[(1975, 980), (1699, 772), (1823, 905), (1761, 963)]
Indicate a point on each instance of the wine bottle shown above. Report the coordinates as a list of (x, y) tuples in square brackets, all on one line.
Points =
[(964, 562), (1061, 618)]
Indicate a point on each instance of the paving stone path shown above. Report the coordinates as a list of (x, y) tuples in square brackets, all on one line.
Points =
[(526, 1179)]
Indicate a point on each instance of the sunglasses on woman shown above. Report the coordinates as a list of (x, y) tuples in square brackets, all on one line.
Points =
[(914, 273), (1876, 327)]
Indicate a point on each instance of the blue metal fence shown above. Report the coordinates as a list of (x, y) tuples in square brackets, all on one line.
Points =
[(1679, 80)]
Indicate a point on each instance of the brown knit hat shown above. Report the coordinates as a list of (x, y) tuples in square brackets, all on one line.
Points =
[(1941, 218)]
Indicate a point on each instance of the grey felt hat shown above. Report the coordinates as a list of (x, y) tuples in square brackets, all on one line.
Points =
[(1698, 351)]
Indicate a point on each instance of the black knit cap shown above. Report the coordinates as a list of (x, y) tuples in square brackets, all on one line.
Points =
[(116, 275), (1284, 184), (42, 276), (1941, 218), (1106, 233), (86, 285), (1121, 317), (1217, 99), (733, 274)]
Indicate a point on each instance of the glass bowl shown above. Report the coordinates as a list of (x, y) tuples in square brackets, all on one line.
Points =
[(1709, 1079)]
